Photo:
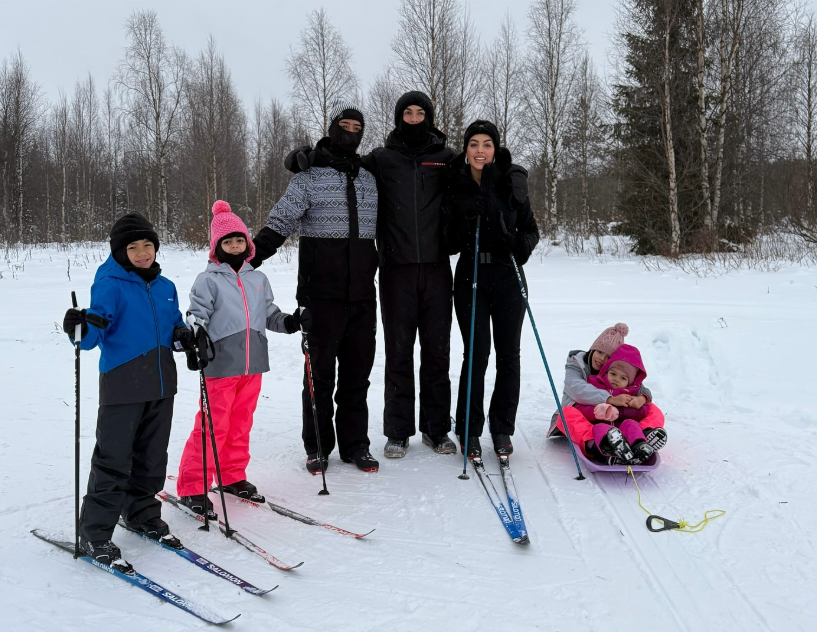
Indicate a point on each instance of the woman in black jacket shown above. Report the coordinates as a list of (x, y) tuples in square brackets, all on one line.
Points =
[(485, 184)]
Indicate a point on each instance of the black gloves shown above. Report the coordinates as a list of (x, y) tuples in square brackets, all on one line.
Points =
[(297, 160), (74, 317), (302, 318), (266, 244), (183, 339), (202, 350)]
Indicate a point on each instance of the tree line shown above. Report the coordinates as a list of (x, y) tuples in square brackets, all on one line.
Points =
[(699, 139)]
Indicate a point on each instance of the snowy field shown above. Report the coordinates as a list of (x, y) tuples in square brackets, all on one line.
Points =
[(728, 361)]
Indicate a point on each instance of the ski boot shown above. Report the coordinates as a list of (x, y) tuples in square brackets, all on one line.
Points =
[(197, 505), (363, 459), (656, 437), (502, 445), (244, 490), (106, 552), (615, 445), (474, 448), (395, 448), (156, 529), (440, 445), (313, 464)]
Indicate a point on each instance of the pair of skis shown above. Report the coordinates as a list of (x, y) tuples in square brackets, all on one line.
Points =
[(150, 586), (510, 516)]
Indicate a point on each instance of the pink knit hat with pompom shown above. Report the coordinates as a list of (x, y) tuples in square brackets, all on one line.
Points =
[(226, 222), (610, 339)]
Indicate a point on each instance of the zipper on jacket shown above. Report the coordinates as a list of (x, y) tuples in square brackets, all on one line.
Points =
[(247, 313), (416, 213), (158, 340)]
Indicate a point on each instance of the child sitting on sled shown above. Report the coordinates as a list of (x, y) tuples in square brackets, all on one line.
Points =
[(582, 367), (617, 436)]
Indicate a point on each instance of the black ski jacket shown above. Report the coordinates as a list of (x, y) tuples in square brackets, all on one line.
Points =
[(501, 200), (411, 184)]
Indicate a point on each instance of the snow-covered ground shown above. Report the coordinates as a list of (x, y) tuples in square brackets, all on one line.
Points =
[(729, 360)]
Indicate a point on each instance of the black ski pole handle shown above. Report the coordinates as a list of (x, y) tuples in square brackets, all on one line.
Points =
[(668, 525)]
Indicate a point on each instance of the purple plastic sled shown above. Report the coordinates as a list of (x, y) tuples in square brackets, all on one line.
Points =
[(591, 466)]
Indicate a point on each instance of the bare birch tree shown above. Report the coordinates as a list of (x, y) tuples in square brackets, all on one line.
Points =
[(152, 77), (502, 91), (554, 44), (804, 101), (380, 102), (320, 69)]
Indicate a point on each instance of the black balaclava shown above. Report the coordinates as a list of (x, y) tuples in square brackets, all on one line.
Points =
[(342, 142), (234, 261), (417, 133)]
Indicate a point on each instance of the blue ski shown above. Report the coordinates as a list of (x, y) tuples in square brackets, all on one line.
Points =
[(499, 507), (203, 563), (513, 497), (140, 581)]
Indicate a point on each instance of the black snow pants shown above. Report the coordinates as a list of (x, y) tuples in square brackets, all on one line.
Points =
[(416, 297), (128, 467), (342, 333), (499, 304)]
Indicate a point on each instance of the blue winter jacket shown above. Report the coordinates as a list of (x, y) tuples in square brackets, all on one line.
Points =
[(136, 364)]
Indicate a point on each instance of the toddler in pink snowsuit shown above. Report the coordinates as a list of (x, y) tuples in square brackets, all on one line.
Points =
[(616, 432), (234, 304)]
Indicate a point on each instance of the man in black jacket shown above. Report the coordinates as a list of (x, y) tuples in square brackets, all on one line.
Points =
[(415, 273)]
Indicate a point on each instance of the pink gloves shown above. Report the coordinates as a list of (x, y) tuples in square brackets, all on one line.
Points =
[(606, 412)]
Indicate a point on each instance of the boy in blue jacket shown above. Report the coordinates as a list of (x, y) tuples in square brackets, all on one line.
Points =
[(135, 320)]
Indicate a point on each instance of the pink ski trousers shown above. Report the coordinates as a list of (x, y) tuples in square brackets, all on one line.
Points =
[(232, 404), (581, 430)]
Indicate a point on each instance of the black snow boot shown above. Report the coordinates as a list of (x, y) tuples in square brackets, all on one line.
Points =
[(656, 437), (502, 444), (363, 459), (395, 448), (244, 490), (642, 450), (197, 504), (474, 448), (313, 465), (157, 529), (106, 552), (614, 444), (440, 445)]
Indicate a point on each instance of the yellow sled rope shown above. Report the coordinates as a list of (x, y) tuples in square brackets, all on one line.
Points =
[(681, 526)]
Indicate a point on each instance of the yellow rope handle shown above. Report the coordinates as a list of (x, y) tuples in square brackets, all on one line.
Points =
[(683, 525)]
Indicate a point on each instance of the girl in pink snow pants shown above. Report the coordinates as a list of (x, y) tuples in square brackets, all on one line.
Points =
[(234, 304), (580, 367)]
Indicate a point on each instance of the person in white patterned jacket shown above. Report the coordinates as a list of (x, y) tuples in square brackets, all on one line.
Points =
[(333, 205)]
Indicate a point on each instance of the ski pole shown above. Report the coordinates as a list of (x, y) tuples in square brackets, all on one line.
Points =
[(580, 477), (308, 359), (205, 480), (77, 340), (206, 405), (464, 476)]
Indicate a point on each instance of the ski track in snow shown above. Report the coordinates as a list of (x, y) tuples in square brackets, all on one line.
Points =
[(736, 393)]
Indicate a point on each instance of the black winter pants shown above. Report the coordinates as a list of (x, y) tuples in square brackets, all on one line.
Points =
[(499, 304), (416, 298), (128, 467), (342, 332)]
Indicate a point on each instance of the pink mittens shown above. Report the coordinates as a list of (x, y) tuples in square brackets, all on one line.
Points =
[(606, 412)]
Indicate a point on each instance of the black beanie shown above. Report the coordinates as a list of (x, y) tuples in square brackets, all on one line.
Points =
[(132, 227), (481, 127), (414, 97)]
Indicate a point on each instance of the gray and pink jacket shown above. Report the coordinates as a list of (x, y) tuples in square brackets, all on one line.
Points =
[(578, 390), (236, 309)]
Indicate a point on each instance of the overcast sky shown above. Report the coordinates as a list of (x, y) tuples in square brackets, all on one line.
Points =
[(63, 40)]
